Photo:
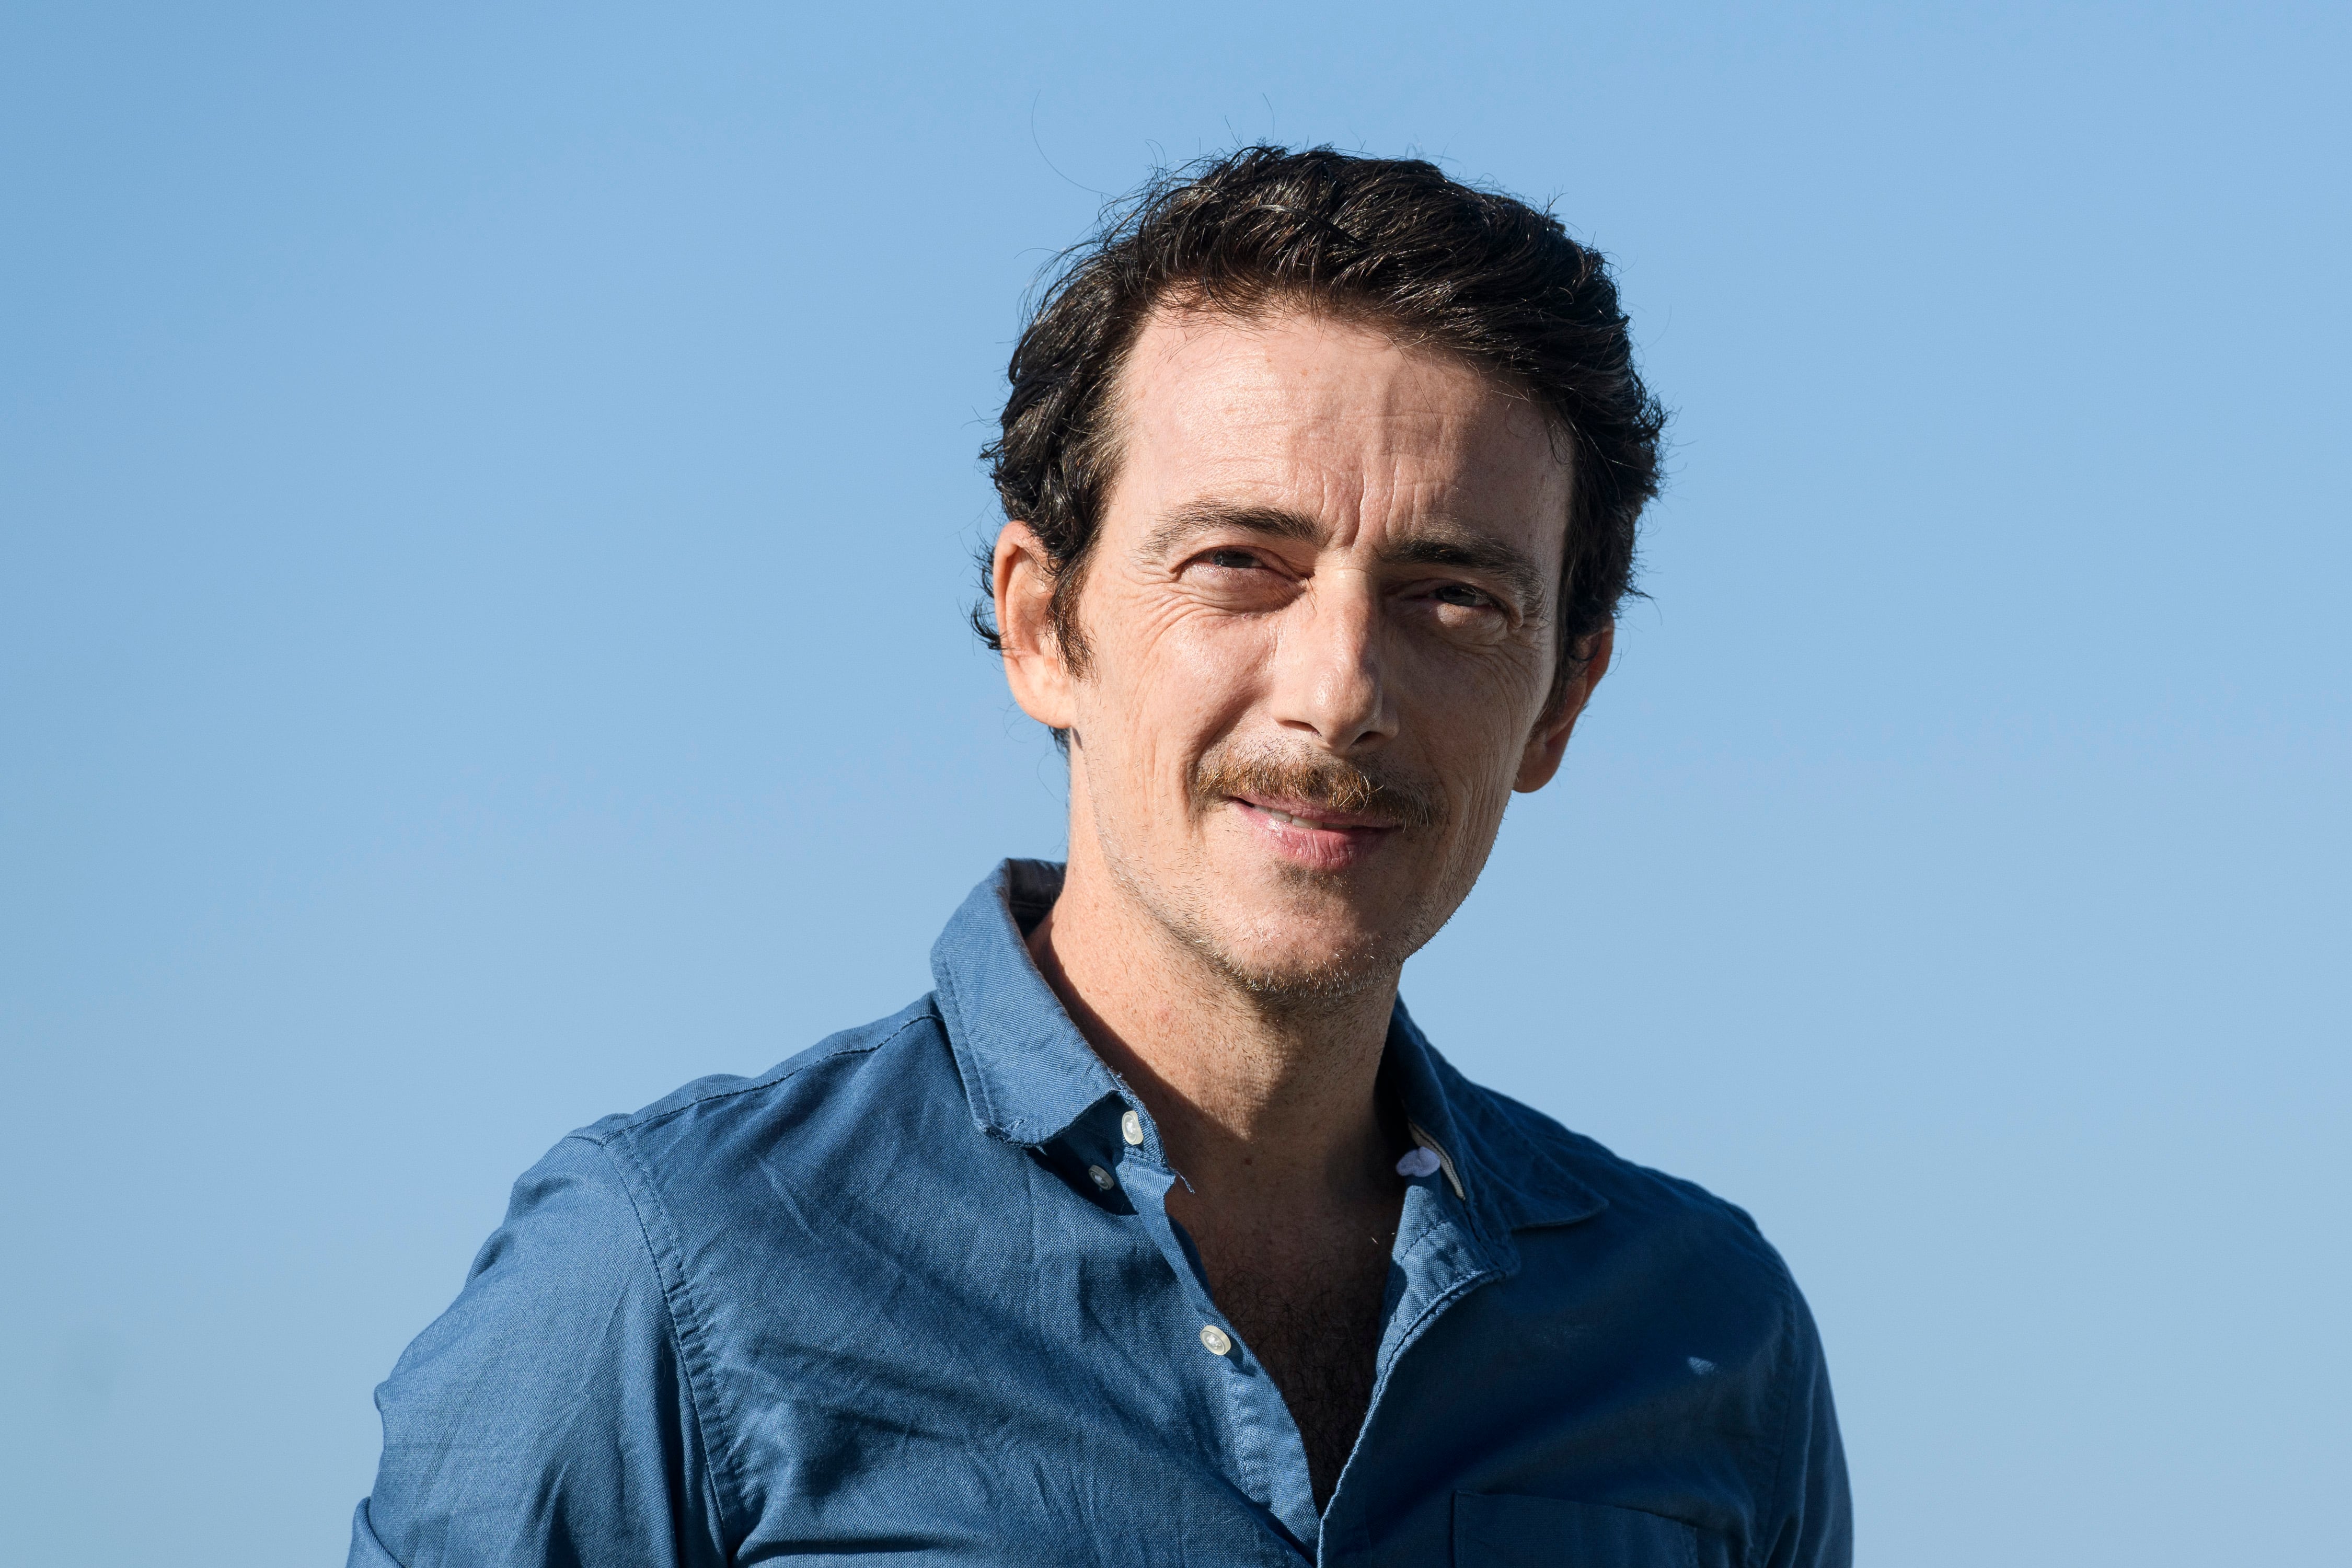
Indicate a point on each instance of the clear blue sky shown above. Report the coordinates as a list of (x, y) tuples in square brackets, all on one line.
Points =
[(485, 497)]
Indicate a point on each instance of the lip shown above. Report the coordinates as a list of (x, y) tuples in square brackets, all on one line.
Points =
[(1314, 836)]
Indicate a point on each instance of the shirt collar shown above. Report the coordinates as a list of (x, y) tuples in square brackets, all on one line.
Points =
[(1030, 1074), (1026, 1069), (1494, 1161)]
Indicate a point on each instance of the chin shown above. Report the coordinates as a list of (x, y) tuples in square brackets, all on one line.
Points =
[(1307, 960), (1303, 985), (1282, 934)]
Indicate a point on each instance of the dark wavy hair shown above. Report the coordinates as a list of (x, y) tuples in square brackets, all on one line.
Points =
[(1390, 243)]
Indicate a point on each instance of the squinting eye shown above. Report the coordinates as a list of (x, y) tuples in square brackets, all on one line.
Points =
[(1232, 560), (1458, 593)]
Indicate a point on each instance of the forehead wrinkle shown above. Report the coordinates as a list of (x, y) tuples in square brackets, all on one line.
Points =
[(1169, 339)]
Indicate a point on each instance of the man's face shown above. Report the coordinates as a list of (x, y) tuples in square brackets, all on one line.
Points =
[(1319, 642)]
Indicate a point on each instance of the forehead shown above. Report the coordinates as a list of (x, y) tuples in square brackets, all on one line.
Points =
[(1334, 418)]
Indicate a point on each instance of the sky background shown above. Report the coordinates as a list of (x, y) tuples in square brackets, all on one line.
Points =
[(485, 496)]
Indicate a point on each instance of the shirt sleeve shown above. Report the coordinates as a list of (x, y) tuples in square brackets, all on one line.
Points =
[(1817, 1525), (547, 1417)]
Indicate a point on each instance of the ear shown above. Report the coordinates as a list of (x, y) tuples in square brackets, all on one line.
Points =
[(1548, 743), (1022, 576)]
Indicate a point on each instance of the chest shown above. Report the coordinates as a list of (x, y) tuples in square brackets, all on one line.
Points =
[(1018, 1373), (1315, 1326)]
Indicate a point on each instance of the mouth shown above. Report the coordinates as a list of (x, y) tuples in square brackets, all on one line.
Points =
[(1313, 835), (1299, 814)]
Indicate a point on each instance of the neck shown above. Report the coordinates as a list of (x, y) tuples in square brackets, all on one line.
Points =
[(1262, 1102)]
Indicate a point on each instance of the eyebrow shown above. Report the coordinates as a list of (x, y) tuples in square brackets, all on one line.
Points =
[(1203, 515), (1444, 542), (1438, 541)]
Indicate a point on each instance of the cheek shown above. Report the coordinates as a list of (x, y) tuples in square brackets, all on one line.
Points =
[(1479, 712), (1475, 729), (1167, 679)]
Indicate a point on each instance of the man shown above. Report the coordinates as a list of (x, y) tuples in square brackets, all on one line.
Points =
[(1158, 1233)]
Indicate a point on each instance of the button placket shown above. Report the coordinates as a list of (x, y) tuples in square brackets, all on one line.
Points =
[(1268, 1462)]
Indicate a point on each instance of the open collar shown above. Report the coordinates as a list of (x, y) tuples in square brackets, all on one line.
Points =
[(1030, 1074)]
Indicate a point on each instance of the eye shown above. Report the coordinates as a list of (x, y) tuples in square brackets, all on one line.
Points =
[(1461, 611), (1464, 594), (1237, 578)]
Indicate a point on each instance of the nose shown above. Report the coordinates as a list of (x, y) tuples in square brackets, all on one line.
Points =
[(1327, 677)]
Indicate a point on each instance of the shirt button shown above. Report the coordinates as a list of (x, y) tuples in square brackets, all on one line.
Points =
[(1217, 1341), (1130, 1127), (1103, 1178)]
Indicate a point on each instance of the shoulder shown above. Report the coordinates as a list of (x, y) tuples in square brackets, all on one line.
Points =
[(1683, 1262), (804, 1080), (846, 1095), (1636, 1205)]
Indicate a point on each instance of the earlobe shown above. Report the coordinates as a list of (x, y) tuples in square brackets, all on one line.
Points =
[(1548, 743), (1547, 746), (1021, 574)]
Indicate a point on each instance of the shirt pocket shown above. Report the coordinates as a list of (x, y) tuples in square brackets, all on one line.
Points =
[(1549, 1532)]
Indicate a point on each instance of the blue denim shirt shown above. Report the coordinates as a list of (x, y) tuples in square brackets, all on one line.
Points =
[(877, 1301)]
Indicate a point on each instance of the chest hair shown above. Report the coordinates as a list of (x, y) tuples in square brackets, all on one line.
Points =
[(1315, 1325)]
